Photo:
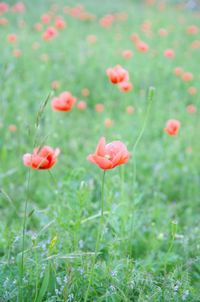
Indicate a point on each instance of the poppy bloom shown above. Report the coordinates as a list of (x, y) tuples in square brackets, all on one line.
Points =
[(60, 23), (195, 44), (178, 71), (130, 109), (169, 53), (99, 107), (163, 32), (38, 26), (135, 38), (55, 84), (109, 156), (107, 21), (64, 102), (11, 38), (172, 127), (45, 18), (85, 92), (192, 30), (191, 108), (108, 123), (146, 26), (82, 105), (19, 7), (17, 53), (127, 54), (49, 34), (3, 7), (117, 74), (192, 90), (142, 46), (187, 76), (42, 158), (125, 86), (3, 21), (12, 128), (91, 39)]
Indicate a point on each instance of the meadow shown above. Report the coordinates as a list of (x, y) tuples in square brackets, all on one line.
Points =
[(122, 224)]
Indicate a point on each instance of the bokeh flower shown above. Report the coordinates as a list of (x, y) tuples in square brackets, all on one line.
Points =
[(172, 127)]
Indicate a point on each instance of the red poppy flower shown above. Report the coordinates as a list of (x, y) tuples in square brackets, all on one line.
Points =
[(64, 102), (172, 127), (109, 156), (42, 158), (117, 74)]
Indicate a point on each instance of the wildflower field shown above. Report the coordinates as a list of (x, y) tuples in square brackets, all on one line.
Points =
[(99, 151)]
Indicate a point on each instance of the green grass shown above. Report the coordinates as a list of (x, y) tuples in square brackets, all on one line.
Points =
[(150, 247)]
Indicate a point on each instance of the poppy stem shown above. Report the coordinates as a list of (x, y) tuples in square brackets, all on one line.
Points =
[(24, 233), (150, 97), (149, 101), (100, 231), (172, 235), (102, 195)]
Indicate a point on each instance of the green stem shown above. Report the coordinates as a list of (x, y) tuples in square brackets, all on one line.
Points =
[(134, 166), (24, 232), (173, 233), (149, 101), (98, 237)]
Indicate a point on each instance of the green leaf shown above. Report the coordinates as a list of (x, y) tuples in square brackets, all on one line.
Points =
[(44, 286)]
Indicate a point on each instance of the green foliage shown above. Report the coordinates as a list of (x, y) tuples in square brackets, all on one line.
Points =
[(149, 250)]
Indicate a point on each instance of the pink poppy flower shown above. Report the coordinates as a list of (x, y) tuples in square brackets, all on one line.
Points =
[(60, 23), (99, 107), (81, 105), (187, 76), (192, 90), (163, 32), (19, 7), (108, 122), (169, 53), (127, 54), (46, 18), (192, 30), (130, 109), (3, 21), (191, 108), (49, 34), (3, 7), (85, 92), (109, 156), (178, 71), (142, 46), (125, 86), (12, 38)]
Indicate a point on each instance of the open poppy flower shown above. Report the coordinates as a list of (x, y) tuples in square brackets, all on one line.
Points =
[(49, 33), (172, 127), (117, 74), (42, 158), (125, 86), (109, 156), (63, 102)]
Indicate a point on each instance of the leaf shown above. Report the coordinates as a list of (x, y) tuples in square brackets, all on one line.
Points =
[(44, 286), (31, 213)]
